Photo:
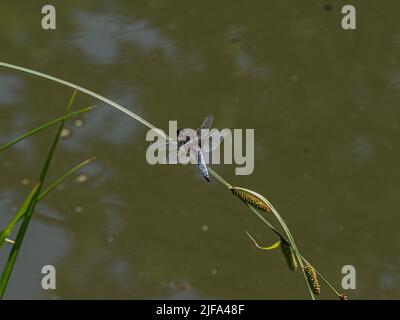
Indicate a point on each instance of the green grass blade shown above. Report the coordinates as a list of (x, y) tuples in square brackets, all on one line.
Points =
[(63, 177), (7, 271), (20, 213), (45, 126), (55, 141), (8, 268)]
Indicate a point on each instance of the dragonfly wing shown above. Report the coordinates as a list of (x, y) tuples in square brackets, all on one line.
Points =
[(213, 140), (164, 144), (208, 121)]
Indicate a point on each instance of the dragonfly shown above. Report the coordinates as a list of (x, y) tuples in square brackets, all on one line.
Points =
[(193, 141)]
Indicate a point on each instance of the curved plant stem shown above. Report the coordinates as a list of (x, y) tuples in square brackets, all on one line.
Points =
[(219, 178), (84, 90), (162, 134)]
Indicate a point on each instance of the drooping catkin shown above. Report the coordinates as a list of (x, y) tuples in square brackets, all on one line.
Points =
[(312, 278), (251, 199), (288, 253)]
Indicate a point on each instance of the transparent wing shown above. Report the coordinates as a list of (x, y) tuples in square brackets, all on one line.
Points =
[(174, 155), (167, 149), (208, 121), (163, 144), (213, 140)]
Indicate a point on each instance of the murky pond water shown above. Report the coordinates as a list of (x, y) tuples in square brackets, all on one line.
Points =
[(325, 106)]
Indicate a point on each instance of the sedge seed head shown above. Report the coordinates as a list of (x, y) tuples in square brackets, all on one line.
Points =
[(251, 199), (288, 253), (312, 278)]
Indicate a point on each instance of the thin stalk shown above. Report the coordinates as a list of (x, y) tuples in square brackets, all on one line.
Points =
[(296, 250), (63, 177), (12, 257), (219, 178), (88, 92), (19, 214), (260, 216), (49, 158)]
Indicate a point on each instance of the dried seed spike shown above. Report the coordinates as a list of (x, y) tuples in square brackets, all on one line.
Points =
[(251, 199), (288, 253), (312, 278)]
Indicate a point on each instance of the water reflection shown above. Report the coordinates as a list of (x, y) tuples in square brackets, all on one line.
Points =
[(362, 150), (102, 37), (107, 125), (10, 86), (20, 123)]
